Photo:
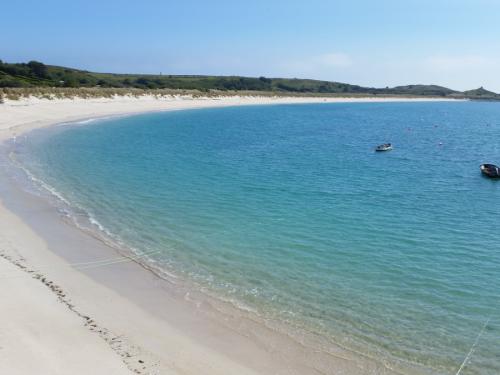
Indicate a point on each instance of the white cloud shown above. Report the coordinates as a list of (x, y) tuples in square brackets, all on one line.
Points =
[(333, 60), (458, 63)]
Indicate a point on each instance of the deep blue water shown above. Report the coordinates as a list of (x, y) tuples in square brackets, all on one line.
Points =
[(288, 211)]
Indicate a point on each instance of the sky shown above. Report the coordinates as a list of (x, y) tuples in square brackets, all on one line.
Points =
[(454, 43)]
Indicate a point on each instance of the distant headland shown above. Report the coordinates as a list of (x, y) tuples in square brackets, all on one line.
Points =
[(21, 79)]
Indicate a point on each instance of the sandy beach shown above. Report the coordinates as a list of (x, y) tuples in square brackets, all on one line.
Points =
[(73, 305)]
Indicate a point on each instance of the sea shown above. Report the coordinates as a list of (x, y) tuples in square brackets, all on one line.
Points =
[(287, 212)]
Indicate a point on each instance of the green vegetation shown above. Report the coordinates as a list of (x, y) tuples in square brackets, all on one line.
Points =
[(49, 81), (482, 94)]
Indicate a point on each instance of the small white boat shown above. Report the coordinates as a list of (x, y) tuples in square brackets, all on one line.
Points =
[(384, 147)]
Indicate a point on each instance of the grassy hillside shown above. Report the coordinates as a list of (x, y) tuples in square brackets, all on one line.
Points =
[(36, 74), (482, 94)]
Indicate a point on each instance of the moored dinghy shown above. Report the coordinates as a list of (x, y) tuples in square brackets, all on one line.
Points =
[(384, 147), (490, 170)]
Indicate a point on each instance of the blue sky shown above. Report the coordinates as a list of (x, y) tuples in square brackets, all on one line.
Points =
[(454, 43)]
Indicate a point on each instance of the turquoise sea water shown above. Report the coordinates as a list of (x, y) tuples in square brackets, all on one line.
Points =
[(288, 211)]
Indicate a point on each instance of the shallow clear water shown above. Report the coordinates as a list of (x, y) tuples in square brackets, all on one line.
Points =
[(287, 211)]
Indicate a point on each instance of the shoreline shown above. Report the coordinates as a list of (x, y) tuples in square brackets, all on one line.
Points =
[(25, 114), (164, 331)]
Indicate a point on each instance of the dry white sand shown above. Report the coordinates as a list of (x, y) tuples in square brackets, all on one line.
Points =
[(21, 115), (57, 319)]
